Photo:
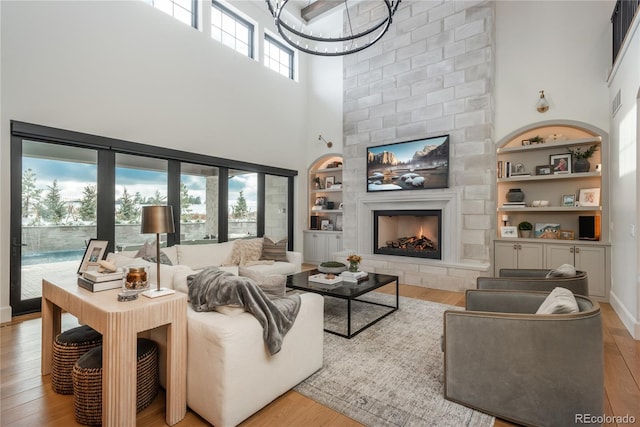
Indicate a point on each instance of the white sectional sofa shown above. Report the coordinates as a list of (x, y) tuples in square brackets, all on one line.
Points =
[(230, 373)]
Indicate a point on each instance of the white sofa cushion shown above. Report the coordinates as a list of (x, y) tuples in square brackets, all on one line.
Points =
[(271, 284), (200, 256)]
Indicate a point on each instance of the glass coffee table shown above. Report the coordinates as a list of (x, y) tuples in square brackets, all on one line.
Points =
[(349, 291)]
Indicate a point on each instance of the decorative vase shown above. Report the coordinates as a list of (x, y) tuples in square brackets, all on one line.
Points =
[(136, 279), (353, 266), (525, 234), (581, 165), (515, 195)]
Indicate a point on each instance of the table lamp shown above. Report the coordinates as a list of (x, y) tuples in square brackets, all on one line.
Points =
[(157, 219)]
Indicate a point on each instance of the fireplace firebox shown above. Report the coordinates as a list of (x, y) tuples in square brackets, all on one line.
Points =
[(410, 233)]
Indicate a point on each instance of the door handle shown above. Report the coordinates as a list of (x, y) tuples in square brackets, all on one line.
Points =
[(17, 244), (577, 250)]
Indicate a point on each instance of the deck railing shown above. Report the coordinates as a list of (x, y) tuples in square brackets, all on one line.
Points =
[(621, 19)]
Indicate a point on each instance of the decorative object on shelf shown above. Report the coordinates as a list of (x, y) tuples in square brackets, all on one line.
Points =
[(93, 254), (158, 220), (556, 137), (525, 228), (540, 203), (536, 140), (582, 157), (328, 181), (339, 221), (316, 183), (505, 219), (337, 42), (354, 262), (568, 200), (509, 232), (547, 231), (589, 197), (566, 235), (561, 163), (324, 224), (334, 267), (329, 143), (544, 170), (515, 195), (542, 105)]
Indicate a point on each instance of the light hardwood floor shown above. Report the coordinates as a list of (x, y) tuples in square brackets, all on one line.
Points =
[(27, 398)]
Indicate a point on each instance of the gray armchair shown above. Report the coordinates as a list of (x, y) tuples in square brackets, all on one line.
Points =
[(536, 370), (534, 280)]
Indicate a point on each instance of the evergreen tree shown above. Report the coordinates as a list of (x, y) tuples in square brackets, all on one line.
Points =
[(157, 199), (185, 199), (240, 209), (128, 211), (54, 208), (89, 203), (30, 194), (138, 199)]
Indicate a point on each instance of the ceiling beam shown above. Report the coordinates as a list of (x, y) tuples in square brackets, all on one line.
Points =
[(318, 7)]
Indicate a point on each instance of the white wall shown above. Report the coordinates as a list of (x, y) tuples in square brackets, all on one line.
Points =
[(122, 69), (625, 288), (561, 47)]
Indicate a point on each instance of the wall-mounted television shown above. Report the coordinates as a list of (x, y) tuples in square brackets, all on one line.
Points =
[(420, 164)]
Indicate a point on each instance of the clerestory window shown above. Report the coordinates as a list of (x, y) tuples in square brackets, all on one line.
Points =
[(278, 57), (231, 29), (183, 10)]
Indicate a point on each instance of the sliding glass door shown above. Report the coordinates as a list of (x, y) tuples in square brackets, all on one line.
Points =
[(56, 206)]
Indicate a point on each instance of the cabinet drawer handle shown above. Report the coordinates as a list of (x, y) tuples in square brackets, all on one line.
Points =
[(570, 250), (577, 250)]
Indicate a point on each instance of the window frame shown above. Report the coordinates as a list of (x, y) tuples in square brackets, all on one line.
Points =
[(251, 27), (280, 45)]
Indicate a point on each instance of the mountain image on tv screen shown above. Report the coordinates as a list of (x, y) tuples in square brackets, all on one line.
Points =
[(411, 165)]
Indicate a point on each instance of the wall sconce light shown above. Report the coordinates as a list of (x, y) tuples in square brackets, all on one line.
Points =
[(505, 219), (542, 105), (329, 143)]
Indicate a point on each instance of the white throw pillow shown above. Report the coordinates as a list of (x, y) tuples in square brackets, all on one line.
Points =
[(200, 256), (559, 301), (565, 270)]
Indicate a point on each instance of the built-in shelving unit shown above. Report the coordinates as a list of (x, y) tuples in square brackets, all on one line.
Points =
[(514, 251), (323, 236)]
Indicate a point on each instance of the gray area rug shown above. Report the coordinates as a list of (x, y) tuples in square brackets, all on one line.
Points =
[(390, 374)]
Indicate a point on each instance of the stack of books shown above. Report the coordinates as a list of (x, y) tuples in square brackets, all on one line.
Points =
[(95, 282), (358, 276), (514, 205)]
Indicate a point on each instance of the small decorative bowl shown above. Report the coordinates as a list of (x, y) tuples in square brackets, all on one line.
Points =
[(334, 270)]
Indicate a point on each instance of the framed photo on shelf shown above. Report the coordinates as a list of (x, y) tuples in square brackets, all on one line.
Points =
[(589, 197), (544, 170), (566, 234), (561, 163), (328, 181), (568, 200), (324, 225), (93, 254), (509, 231), (546, 231)]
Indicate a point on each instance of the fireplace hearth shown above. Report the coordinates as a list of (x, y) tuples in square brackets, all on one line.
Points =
[(409, 233)]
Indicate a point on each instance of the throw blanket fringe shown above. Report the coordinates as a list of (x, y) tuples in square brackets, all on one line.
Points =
[(213, 287)]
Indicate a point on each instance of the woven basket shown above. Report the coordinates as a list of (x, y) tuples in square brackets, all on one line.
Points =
[(87, 382), (67, 349)]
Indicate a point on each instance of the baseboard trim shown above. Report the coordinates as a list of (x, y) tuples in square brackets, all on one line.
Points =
[(5, 314), (627, 318)]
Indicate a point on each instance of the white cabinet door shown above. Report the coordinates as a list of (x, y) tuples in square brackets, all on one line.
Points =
[(312, 248), (505, 256), (592, 259), (530, 255), (558, 255), (334, 244)]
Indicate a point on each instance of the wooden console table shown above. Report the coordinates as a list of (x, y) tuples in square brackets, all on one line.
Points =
[(119, 324)]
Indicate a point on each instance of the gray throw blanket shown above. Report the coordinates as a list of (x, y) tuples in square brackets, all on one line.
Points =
[(212, 287)]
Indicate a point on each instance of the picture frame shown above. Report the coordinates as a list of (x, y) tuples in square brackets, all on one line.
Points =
[(328, 181), (526, 142), (566, 235), (568, 200), (544, 170), (94, 253), (324, 224), (589, 197), (509, 232), (561, 163), (546, 230)]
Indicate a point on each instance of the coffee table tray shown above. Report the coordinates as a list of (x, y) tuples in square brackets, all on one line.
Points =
[(321, 278)]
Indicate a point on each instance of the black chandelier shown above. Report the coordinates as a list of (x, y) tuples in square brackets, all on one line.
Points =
[(343, 42)]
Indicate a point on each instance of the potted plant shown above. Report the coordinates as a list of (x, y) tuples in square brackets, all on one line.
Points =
[(536, 139), (581, 156), (525, 228)]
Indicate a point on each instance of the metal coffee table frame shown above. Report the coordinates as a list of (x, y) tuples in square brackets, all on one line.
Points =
[(349, 291)]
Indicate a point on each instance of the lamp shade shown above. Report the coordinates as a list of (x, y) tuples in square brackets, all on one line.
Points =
[(157, 219)]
